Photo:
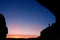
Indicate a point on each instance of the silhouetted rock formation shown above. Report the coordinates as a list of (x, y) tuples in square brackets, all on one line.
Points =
[(53, 6), (52, 32), (3, 28)]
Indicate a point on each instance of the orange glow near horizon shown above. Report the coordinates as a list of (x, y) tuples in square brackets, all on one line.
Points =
[(21, 36)]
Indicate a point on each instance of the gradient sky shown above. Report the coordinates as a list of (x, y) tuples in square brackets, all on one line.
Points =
[(25, 17)]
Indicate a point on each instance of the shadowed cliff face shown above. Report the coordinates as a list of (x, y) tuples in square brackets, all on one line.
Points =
[(51, 32), (3, 28)]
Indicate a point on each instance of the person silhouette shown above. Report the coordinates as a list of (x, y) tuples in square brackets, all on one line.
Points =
[(3, 28)]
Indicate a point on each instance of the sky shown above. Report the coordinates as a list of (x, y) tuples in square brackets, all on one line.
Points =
[(25, 17)]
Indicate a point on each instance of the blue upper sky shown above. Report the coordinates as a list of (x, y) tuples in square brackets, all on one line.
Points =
[(26, 15)]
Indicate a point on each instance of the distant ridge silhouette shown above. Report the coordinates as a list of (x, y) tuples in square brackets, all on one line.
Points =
[(51, 32), (3, 28)]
